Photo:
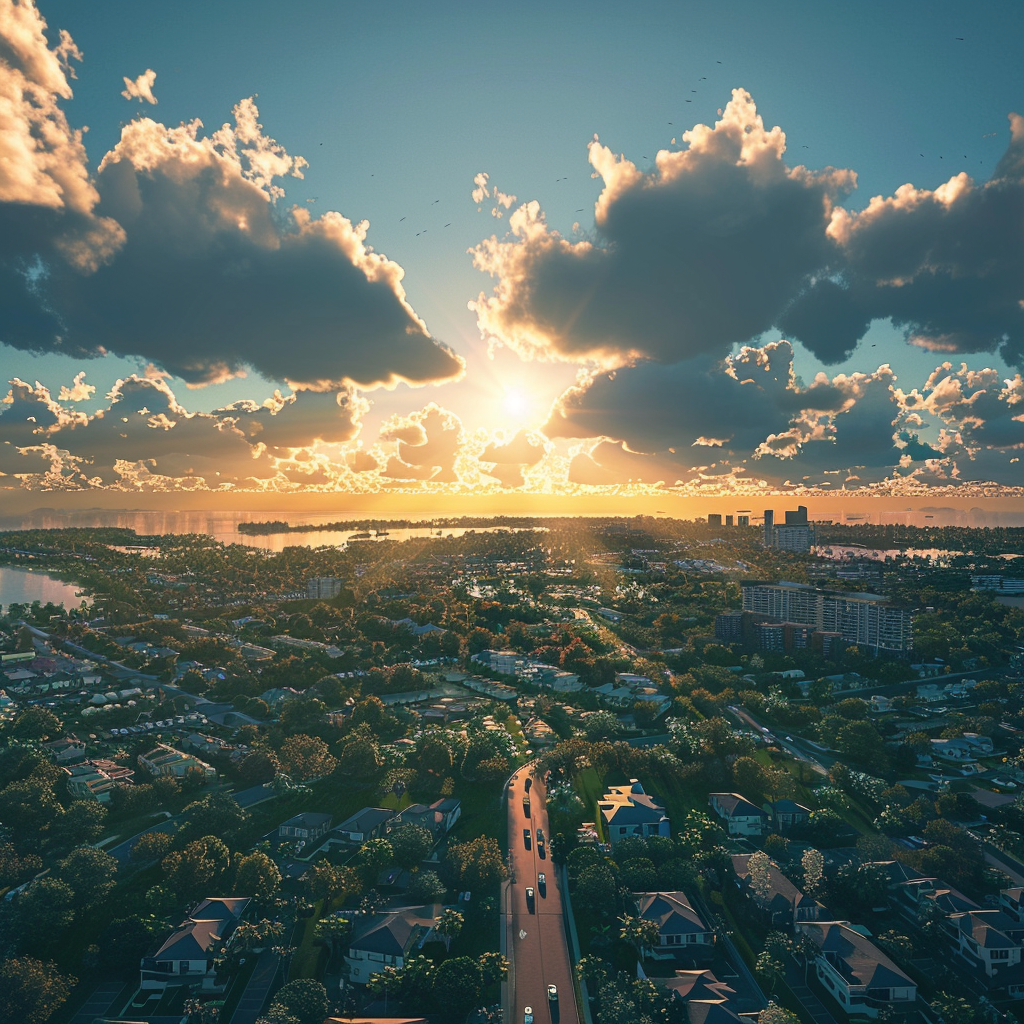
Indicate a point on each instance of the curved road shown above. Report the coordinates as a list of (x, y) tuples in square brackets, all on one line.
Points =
[(540, 952)]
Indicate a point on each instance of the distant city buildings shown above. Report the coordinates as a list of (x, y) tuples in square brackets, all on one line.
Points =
[(796, 534), (999, 584)]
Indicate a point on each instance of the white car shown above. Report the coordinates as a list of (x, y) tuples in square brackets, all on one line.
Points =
[(552, 993), (528, 1015)]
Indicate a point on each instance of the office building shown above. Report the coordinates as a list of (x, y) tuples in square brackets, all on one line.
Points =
[(795, 534), (323, 588)]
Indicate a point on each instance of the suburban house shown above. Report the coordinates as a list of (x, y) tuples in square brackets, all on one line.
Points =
[(861, 978), (989, 939), (164, 760), (94, 780), (1012, 902), (958, 750), (922, 893), (741, 817), (439, 816), (387, 939), (186, 956), (681, 930), (369, 823), (66, 750), (785, 903), (307, 826), (786, 813), (629, 811), (698, 986)]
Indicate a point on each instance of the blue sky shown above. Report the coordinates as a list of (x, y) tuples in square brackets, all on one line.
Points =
[(397, 107)]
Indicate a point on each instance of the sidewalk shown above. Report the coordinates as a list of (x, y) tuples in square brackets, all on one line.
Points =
[(99, 1003), (808, 1000)]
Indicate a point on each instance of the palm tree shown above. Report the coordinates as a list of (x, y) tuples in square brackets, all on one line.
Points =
[(448, 926)]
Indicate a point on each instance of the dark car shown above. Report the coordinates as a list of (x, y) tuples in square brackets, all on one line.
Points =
[(527, 838)]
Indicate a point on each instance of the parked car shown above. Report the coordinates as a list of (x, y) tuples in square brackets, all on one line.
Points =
[(529, 897), (542, 883), (552, 993), (528, 1015), (527, 838)]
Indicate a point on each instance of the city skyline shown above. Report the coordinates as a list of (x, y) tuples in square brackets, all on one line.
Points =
[(609, 257)]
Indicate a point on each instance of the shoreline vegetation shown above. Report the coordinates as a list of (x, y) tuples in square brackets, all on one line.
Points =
[(382, 525)]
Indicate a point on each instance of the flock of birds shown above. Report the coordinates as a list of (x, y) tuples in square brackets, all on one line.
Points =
[(582, 209)]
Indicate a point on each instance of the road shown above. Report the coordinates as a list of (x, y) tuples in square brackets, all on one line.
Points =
[(796, 746), (540, 950)]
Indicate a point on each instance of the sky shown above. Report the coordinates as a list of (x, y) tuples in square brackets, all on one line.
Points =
[(577, 251)]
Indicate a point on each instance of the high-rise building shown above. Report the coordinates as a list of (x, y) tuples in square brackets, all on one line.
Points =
[(729, 627), (867, 620), (769, 527), (796, 534), (323, 588)]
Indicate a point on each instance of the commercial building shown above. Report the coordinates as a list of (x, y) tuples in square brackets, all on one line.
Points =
[(796, 534), (322, 588), (867, 620)]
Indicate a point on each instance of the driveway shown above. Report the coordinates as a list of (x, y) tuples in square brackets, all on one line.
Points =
[(99, 1003), (250, 1006)]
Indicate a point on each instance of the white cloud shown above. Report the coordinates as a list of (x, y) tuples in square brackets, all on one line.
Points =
[(141, 88)]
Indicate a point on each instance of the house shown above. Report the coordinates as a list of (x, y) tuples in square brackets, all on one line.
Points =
[(920, 894), (880, 703), (741, 817), (980, 745), (681, 930), (952, 750), (859, 976), (786, 813), (307, 826), (369, 823), (698, 986), (438, 817), (164, 760), (96, 779), (784, 903), (388, 938), (629, 811), (1011, 901), (66, 750), (989, 939), (186, 956)]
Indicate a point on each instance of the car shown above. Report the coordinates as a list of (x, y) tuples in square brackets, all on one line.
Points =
[(540, 848), (552, 993), (542, 883), (529, 894), (529, 783), (527, 1015), (527, 838), (789, 739), (540, 835)]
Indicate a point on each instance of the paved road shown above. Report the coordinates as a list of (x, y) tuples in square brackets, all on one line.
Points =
[(540, 950), (99, 1003), (255, 995)]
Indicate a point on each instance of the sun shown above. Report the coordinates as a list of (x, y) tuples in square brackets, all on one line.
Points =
[(516, 403)]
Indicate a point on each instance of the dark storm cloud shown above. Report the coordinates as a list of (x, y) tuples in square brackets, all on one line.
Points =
[(176, 251)]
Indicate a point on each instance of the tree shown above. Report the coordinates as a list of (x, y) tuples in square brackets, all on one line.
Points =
[(775, 1014), (122, 941), (813, 864), (46, 908), (493, 968), (31, 991), (149, 847), (477, 864), (410, 844), (306, 757), (640, 934), (303, 999), (373, 857), (759, 867), (595, 888), (360, 758), (257, 876), (257, 768), (216, 814), (90, 873), (333, 930), (192, 872), (768, 967), (36, 724), (328, 882), (427, 887), (456, 985), (639, 875), (82, 822), (448, 926)]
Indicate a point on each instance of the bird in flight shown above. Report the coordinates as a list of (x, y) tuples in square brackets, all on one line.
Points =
[(449, 224), (581, 209), (400, 219), (959, 39), (435, 202)]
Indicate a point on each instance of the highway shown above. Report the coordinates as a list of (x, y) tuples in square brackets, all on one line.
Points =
[(539, 947)]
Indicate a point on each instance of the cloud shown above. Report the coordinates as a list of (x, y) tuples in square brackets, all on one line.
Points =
[(79, 390), (506, 460), (141, 88), (428, 445), (145, 437), (701, 253), (175, 249), (945, 265)]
